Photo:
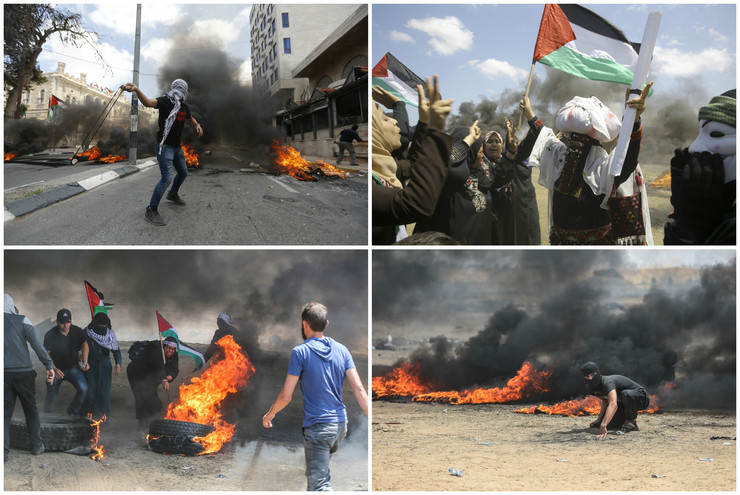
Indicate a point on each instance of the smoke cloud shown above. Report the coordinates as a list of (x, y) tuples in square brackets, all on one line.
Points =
[(565, 309), (263, 291)]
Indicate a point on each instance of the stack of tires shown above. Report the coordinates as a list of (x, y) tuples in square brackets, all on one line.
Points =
[(59, 432)]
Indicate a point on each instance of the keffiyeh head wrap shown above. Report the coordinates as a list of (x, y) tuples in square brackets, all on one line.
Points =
[(177, 94), (101, 332)]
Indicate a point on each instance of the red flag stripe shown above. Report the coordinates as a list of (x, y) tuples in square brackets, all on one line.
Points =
[(555, 31)]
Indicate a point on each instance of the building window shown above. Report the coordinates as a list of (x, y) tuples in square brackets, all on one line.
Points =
[(286, 21), (286, 45), (273, 27)]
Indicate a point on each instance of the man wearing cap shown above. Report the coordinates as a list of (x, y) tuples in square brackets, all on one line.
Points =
[(321, 364), (157, 364), (703, 180), (68, 349), (20, 377), (621, 398), (173, 112)]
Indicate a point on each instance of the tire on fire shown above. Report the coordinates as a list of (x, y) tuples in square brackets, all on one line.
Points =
[(59, 432), (170, 436)]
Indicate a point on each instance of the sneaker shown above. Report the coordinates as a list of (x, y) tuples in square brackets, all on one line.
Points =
[(175, 198), (39, 450), (152, 216), (628, 427)]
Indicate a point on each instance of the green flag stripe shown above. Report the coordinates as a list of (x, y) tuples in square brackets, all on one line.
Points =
[(595, 69), (395, 87)]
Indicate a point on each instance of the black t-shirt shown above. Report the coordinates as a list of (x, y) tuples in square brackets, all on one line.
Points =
[(63, 348), (615, 382), (164, 105)]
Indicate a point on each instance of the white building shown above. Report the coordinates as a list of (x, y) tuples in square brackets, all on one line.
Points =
[(313, 58)]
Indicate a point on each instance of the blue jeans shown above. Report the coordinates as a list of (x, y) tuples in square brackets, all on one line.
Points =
[(171, 157), (74, 376), (320, 440)]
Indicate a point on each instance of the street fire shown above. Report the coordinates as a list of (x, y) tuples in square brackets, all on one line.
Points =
[(406, 381), (587, 406), (113, 158), (9, 156), (288, 161), (99, 454), (200, 400), (91, 154), (191, 157), (662, 182)]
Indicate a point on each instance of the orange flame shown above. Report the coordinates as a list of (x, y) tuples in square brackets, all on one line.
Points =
[(10, 155), (662, 182), (200, 400), (91, 154), (113, 158), (587, 406), (191, 157), (405, 381), (288, 161), (99, 450)]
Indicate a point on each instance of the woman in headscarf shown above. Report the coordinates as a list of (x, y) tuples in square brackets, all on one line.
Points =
[(102, 341), (501, 170), (464, 207), (406, 191)]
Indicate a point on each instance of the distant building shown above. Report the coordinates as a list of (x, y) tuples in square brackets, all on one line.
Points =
[(70, 90), (317, 70)]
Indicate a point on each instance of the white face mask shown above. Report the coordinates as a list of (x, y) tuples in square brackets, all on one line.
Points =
[(716, 137)]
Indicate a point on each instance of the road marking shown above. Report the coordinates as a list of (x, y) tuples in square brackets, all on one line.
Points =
[(98, 180), (235, 157), (290, 189), (25, 185)]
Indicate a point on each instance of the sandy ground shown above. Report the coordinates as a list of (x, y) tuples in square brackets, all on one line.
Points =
[(414, 445), (659, 202), (256, 459)]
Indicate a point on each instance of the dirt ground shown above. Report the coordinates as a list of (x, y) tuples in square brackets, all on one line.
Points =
[(659, 202), (415, 444), (257, 459)]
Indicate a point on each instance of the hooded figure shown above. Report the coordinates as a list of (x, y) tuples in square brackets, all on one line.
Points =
[(225, 327), (621, 398), (102, 342), (577, 173), (703, 179), (155, 364)]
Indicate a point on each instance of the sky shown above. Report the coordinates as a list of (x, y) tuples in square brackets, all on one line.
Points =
[(483, 50), (263, 290), (225, 25)]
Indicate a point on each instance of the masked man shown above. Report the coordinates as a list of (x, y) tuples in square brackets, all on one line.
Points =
[(621, 398), (703, 180)]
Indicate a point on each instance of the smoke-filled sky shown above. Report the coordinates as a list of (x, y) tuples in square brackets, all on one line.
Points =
[(262, 290), (486, 312)]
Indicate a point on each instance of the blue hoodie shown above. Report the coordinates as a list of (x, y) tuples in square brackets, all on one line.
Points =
[(321, 365)]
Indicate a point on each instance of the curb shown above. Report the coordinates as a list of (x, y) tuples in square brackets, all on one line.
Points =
[(24, 206)]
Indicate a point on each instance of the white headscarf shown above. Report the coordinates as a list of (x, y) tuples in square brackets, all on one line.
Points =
[(177, 94)]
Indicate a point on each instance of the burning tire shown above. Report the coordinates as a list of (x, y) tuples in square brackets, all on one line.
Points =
[(170, 436), (58, 432), (173, 427)]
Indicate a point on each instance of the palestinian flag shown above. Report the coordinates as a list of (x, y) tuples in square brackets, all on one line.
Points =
[(391, 75), (52, 103), (577, 41), (167, 330), (95, 298)]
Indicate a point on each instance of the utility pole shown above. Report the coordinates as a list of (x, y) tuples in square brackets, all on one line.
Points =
[(133, 137)]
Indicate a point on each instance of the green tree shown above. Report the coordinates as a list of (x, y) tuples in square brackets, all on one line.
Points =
[(27, 28)]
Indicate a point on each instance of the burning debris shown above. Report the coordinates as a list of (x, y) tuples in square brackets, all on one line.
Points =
[(288, 161), (10, 155), (191, 157), (200, 401), (99, 454)]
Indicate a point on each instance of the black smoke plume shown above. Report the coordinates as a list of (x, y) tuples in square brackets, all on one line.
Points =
[(685, 336)]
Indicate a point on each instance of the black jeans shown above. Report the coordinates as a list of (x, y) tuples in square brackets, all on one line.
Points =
[(22, 385), (630, 401)]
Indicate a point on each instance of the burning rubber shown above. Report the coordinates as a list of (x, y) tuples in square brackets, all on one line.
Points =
[(59, 432)]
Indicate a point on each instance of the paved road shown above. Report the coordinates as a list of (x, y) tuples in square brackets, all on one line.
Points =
[(225, 206)]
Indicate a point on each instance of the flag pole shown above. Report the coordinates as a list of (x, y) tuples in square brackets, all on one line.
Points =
[(161, 342), (526, 94), (641, 70)]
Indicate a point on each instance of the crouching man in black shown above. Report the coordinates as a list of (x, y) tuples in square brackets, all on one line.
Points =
[(621, 398), (147, 371)]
